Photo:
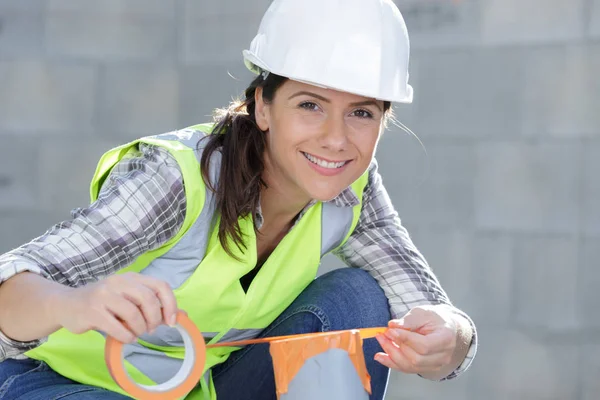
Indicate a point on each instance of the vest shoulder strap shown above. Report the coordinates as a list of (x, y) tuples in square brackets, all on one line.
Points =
[(181, 145)]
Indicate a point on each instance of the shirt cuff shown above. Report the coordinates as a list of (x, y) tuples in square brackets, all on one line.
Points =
[(10, 348), (11, 265), (472, 349)]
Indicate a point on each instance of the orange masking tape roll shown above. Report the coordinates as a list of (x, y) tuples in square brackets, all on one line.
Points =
[(177, 387)]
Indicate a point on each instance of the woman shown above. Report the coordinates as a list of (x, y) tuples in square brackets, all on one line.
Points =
[(231, 227)]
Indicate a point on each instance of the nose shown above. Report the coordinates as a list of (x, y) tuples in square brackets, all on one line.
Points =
[(335, 136)]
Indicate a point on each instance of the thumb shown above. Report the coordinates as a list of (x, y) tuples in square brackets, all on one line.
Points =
[(418, 320), (401, 332), (409, 324)]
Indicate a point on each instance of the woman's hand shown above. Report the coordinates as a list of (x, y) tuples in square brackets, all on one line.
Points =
[(123, 306), (430, 340)]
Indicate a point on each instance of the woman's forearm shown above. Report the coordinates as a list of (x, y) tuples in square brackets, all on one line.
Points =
[(28, 306)]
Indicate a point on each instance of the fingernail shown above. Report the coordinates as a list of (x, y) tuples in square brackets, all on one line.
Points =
[(172, 320), (396, 323)]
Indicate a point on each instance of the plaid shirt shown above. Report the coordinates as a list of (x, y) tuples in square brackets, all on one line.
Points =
[(142, 205)]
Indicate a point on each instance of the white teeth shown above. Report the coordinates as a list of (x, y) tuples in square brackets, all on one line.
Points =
[(323, 163)]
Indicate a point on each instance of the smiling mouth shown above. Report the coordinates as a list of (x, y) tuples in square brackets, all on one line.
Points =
[(324, 163)]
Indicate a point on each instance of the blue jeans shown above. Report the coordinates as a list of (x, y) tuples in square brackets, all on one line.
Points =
[(341, 299)]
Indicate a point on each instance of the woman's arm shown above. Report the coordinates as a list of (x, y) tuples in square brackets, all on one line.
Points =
[(141, 206), (382, 246)]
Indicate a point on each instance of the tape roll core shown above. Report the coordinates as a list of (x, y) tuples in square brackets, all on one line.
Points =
[(178, 386)]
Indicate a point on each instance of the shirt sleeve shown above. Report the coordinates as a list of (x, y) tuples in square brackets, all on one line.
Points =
[(383, 247), (141, 206)]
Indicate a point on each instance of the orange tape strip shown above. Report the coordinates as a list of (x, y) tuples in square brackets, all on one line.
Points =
[(365, 333), (186, 379)]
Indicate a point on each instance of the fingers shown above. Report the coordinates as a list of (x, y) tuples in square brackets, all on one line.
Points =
[(429, 362), (115, 328), (155, 297), (422, 344), (128, 312), (124, 306), (147, 301), (165, 296), (397, 362), (386, 360), (402, 356)]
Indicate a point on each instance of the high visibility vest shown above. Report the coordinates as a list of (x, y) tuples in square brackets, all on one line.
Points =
[(205, 279)]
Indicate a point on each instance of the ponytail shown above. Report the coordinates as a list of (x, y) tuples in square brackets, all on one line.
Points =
[(241, 144)]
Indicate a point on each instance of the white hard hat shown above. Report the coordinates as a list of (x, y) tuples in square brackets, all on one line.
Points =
[(355, 46)]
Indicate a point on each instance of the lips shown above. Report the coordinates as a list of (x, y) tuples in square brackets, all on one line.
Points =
[(325, 163)]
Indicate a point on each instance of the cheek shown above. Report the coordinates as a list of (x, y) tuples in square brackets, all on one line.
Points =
[(282, 145), (366, 142), (293, 133)]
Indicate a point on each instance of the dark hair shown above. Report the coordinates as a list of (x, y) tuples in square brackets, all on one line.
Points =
[(241, 144)]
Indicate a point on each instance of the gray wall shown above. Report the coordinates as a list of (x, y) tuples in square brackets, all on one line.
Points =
[(503, 203)]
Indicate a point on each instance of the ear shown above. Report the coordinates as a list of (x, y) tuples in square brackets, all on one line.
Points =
[(261, 110)]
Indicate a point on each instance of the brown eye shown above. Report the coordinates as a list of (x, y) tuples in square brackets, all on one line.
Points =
[(363, 114), (309, 105)]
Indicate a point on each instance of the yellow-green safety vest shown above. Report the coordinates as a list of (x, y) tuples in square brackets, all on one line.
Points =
[(204, 278)]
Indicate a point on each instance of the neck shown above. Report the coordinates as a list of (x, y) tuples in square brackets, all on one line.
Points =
[(280, 203), (279, 208)]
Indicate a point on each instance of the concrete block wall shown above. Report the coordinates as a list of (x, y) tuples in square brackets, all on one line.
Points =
[(503, 204), (502, 199)]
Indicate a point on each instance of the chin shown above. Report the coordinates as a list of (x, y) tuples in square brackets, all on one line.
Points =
[(324, 194)]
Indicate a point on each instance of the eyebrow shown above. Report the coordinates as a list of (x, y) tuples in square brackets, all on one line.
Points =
[(326, 100)]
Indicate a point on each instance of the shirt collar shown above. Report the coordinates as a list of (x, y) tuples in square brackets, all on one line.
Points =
[(346, 199)]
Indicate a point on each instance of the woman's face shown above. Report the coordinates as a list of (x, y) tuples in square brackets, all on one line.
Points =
[(319, 141)]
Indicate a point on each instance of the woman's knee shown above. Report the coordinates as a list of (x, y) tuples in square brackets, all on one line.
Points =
[(11, 367), (351, 298)]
